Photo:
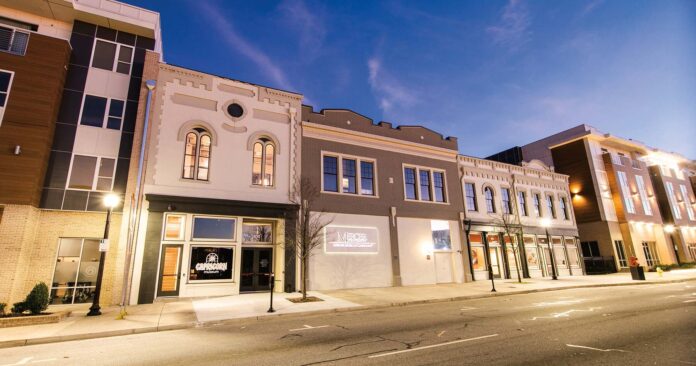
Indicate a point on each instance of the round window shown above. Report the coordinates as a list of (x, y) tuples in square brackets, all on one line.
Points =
[(235, 110)]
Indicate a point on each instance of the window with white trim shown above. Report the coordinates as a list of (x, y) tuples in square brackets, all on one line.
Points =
[(537, 204), (687, 202), (673, 201), (620, 253), (14, 36), (348, 174), (424, 184), (197, 154), (522, 200), (626, 192), (507, 204), (112, 56), (5, 85), (470, 192), (102, 112), (647, 209), (550, 207), (564, 208), (92, 173), (263, 165), (490, 204)]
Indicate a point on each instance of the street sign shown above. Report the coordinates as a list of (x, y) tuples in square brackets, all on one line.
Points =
[(104, 245)]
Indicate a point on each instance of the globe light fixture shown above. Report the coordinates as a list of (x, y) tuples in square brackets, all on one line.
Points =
[(669, 229), (111, 200)]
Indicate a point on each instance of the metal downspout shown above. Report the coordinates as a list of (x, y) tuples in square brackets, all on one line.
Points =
[(136, 203)]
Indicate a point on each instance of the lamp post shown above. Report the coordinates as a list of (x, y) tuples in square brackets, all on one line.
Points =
[(110, 201), (546, 223)]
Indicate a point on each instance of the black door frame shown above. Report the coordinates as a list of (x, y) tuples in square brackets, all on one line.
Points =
[(255, 287)]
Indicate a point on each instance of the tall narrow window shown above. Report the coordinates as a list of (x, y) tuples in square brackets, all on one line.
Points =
[(439, 186), (490, 205), (115, 114), (424, 177), (190, 155), (410, 183), (507, 205), (197, 155), (620, 253), (673, 201), (348, 181), (549, 206), (647, 209), (470, 192), (626, 191), (330, 174), (125, 55), (537, 204), (367, 178), (687, 202), (564, 208), (522, 200), (263, 161), (5, 84)]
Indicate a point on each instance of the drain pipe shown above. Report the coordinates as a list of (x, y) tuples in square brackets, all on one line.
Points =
[(136, 206)]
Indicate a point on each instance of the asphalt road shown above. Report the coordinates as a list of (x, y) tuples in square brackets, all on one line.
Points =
[(631, 325)]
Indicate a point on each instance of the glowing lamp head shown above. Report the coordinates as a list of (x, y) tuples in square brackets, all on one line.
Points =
[(111, 200), (545, 222), (669, 229)]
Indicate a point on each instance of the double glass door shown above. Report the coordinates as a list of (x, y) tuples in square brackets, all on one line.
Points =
[(257, 264), (494, 253)]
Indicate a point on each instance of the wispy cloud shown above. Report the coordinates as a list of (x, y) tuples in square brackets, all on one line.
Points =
[(512, 30), (309, 25), (389, 91), (237, 42), (591, 6)]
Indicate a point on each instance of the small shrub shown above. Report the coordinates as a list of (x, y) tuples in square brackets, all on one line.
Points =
[(2, 308), (37, 300), (19, 307)]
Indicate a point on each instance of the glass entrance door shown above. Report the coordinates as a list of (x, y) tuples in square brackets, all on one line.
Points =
[(170, 265), (547, 262), (257, 264), (495, 261)]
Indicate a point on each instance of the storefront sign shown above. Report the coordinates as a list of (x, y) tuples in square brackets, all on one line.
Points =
[(350, 240), (211, 263)]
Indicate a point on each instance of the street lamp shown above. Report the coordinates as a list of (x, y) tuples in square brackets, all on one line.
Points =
[(546, 223), (111, 200)]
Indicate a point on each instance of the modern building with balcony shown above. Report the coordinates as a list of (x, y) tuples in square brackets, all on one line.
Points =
[(506, 205), (629, 199)]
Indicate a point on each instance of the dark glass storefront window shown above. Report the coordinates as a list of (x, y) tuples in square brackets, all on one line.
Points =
[(93, 111), (210, 263), (75, 275), (215, 228)]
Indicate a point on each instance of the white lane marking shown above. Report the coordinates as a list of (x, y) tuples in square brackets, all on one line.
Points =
[(307, 327), (441, 333), (27, 360), (597, 349), (561, 302), (432, 346), (694, 300), (468, 308), (564, 314)]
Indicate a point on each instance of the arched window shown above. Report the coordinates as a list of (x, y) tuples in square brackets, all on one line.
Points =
[(197, 154), (263, 164), (490, 206)]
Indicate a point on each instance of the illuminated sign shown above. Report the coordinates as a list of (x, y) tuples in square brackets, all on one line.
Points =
[(350, 240)]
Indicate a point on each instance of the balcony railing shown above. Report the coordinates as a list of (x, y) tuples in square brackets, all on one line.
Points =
[(13, 41)]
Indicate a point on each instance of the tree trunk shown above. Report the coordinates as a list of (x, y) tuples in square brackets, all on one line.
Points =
[(303, 270), (517, 264)]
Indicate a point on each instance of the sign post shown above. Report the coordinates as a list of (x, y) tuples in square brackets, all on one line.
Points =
[(272, 285)]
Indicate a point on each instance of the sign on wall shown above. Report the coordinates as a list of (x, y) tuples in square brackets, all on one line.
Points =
[(210, 263), (351, 240)]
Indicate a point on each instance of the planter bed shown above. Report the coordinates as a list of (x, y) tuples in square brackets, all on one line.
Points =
[(24, 320)]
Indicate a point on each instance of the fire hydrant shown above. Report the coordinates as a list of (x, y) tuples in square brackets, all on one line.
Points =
[(659, 271)]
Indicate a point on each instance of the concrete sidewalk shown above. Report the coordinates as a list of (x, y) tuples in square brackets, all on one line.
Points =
[(188, 313)]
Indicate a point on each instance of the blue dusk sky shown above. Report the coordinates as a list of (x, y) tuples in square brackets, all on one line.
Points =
[(495, 74)]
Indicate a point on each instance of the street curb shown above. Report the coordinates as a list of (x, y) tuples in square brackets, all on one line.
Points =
[(207, 324)]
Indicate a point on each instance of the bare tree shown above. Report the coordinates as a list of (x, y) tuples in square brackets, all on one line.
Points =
[(310, 227), (511, 229)]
